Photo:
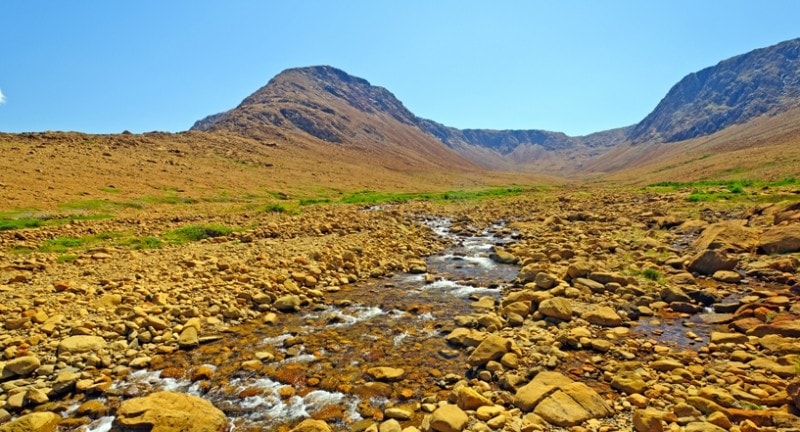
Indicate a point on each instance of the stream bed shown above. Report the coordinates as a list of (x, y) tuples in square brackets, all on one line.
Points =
[(316, 363)]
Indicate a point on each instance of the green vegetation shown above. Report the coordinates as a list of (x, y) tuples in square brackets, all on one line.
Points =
[(62, 259), (652, 274), (275, 208), (723, 190), (373, 197), (148, 242), (13, 224), (65, 244), (192, 233), (110, 189)]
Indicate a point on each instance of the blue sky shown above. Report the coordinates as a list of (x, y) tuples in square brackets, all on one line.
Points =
[(571, 66)]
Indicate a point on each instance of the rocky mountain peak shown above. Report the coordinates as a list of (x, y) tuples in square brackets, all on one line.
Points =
[(763, 81)]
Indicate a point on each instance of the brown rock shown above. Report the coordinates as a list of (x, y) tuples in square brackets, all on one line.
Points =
[(730, 236), (35, 422), (710, 261), (310, 425), (727, 276), (449, 418), (469, 399), (80, 344), (169, 411), (491, 348), (23, 366), (628, 382), (648, 420), (385, 373), (780, 239), (603, 316), (556, 307)]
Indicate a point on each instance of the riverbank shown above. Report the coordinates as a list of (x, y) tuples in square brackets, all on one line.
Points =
[(562, 346)]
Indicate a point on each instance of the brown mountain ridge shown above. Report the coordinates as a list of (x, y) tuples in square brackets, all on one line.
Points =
[(335, 107)]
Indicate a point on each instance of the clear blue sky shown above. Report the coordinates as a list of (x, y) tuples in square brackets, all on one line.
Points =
[(573, 66)]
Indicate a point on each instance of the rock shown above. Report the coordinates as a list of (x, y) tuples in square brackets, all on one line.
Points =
[(719, 419), (310, 425), (469, 399), (594, 286), (390, 425), (288, 303), (544, 281), (588, 399), (727, 276), (730, 236), (399, 413), (35, 422), (465, 337), (23, 366), (710, 261), (188, 337), (787, 328), (628, 382), (665, 365), (683, 278), (449, 418), (702, 427), (542, 385), (385, 373), (502, 256), (721, 338), (556, 307), (80, 344), (608, 277), (561, 410), (491, 348), (793, 391), (780, 239), (167, 411), (674, 294), (648, 420), (603, 316)]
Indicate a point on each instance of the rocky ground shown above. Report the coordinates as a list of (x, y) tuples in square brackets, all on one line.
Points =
[(607, 326)]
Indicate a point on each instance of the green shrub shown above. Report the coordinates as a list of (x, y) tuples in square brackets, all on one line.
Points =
[(197, 232)]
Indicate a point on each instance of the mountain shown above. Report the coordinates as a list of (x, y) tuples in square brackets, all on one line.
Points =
[(334, 107), (763, 81), (328, 105)]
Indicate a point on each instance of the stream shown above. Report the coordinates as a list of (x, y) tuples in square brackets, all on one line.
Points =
[(316, 362)]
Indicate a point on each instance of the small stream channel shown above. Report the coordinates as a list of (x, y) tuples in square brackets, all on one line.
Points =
[(320, 356)]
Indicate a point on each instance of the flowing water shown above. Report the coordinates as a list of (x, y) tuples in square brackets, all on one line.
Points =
[(320, 357)]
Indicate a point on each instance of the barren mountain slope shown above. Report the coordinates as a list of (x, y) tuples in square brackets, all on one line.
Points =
[(765, 147)]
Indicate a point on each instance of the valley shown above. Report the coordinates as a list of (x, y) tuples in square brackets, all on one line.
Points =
[(319, 258)]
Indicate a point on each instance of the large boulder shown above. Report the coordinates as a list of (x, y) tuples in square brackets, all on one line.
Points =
[(711, 261), (780, 239), (729, 236), (603, 316), (492, 348), (34, 422), (80, 344), (167, 411), (561, 401), (310, 425), (556, 307), (449, 418)]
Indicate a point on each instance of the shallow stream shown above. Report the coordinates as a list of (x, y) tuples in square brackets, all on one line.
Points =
[(321, 355)]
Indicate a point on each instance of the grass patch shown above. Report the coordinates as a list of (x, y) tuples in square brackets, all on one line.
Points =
[(64, 259), (110, 189), (15, 224), (314, 201), (275, 208), (374, 197), (148, 242), (192, 233), (651, 274), (62, 244)]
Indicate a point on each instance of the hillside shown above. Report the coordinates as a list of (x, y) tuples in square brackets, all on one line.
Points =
[(328, 104), (763, 81)]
